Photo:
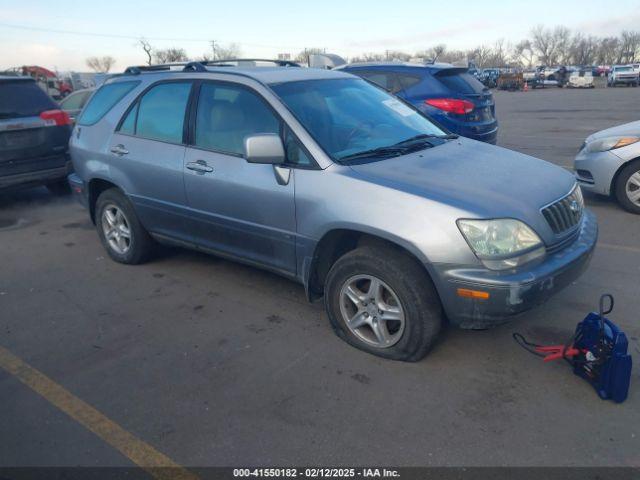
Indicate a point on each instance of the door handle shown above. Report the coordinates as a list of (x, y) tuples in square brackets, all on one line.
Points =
[(119, 150), (200, 166)]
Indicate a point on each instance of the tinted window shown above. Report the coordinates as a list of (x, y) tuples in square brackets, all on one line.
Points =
[(382, 79), (103, 100), (75, 101), (348, 116), (460, 82), (227, 114), (406, 80), (296, 155), (129, 124), (161, 112), (19, 98)]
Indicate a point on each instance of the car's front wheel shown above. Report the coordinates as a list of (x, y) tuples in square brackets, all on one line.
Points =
[(119, 229), (382, 301), (627, 187)]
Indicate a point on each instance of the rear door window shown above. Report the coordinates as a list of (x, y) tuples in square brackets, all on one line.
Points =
[(104, 100), (161, 112), (407, 80), (386, 80), (460, 82), (23, 98)]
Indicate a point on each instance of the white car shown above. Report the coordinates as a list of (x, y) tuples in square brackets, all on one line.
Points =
[(609, 163), (581, 79), (623, 74)]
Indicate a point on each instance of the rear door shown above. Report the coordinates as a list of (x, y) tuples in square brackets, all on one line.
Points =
[(27, 142), (146, 155), (239, 208)]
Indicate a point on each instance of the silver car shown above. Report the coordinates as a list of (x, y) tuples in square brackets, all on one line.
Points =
[(609, 164), (334, 183)]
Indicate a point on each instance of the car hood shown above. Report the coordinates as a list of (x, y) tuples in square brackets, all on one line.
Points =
[(632, 128), (482, 180)]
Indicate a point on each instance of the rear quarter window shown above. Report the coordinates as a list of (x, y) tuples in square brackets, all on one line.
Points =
[(104, 100), (20, 98), (460, 82)]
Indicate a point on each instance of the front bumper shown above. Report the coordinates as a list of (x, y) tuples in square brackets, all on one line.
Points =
[(514, 291), (595, 171)]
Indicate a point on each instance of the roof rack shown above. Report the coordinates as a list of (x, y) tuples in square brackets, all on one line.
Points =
[(227, 61), (200, 66)]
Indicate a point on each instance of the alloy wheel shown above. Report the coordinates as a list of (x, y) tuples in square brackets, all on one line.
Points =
[(372, 311), (632, 188), (116, 229)]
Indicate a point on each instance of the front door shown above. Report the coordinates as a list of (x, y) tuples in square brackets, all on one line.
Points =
[(239, 208)]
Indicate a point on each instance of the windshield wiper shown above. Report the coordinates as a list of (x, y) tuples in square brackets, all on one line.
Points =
[(417, 142), (379, 152), (425, 136)]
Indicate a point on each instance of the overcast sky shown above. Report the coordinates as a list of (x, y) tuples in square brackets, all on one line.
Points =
[(265, 28)]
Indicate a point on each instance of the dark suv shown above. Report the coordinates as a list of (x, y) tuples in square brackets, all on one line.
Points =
[(449, 95), (34, 137)]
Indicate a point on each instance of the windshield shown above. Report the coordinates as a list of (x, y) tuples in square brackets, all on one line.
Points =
[(623, 69), (350, 116)]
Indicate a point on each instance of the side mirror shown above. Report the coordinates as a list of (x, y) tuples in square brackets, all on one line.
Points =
[(264, 148)]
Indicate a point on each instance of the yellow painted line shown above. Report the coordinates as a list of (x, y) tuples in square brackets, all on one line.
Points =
[(142, 454), (622, 248)]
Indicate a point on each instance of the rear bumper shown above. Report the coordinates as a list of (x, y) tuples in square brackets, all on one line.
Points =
[(514, 291), (38, 177), (78, 189)]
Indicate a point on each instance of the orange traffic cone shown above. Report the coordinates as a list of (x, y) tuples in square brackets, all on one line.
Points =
[(526, 87)]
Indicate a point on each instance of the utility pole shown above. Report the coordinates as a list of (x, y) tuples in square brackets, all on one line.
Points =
[(213, 49)]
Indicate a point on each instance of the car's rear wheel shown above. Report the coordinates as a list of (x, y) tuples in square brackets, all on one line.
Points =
[(627, 187), (119, 229), (382, 301)]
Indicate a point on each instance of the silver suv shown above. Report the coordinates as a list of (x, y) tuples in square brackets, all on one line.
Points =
[(329, 180)]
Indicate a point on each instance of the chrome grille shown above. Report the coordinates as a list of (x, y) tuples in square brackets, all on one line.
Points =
[(566, 213)]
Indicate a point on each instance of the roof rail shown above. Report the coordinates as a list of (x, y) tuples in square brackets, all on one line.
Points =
[(227, 61), (200, 66), (136, 70)]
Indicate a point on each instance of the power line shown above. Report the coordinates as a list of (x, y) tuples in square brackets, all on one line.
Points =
[(132, 37)]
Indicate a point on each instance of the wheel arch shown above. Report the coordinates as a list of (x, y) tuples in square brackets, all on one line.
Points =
[(614, 179), (338, 241), (95, 187)]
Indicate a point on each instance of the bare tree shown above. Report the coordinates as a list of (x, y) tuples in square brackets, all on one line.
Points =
[(368, 57), (628, 47), (225, 52), (583, 49), (100, 64), (523, 53), (148, 50), (170, 55)]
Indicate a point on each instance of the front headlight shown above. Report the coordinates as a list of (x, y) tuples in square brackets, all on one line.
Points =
[(609, 143), (502, 243)]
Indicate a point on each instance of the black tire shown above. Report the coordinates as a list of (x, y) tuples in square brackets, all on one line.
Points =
[(141, 245), (411, 284), (621, 184), (60, 187)]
